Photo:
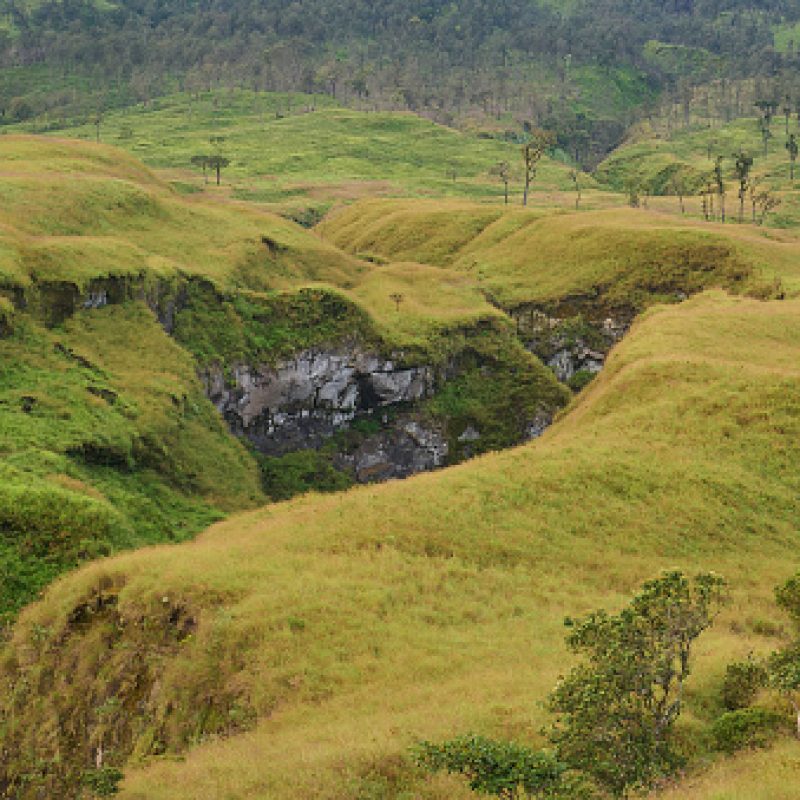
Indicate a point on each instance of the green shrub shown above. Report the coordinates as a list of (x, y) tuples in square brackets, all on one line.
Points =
[(747, 727), (104, 782), (581, 379), (503, 769), (286, 476), (742, 681)]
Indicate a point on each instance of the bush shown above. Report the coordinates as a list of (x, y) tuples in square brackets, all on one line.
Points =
[(503, 769), (747, 727), (742, 681), (286, 476), (104, 782)]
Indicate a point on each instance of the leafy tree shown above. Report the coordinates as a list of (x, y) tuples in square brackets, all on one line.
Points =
[(504, 173), (766, 134), (532, 153), (766, 202), (792, 148), (616, 710), (742, 166)]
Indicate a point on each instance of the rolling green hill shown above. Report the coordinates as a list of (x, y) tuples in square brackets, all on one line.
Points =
[(326, 635), (298, 649), (659, 165), (302, 149)]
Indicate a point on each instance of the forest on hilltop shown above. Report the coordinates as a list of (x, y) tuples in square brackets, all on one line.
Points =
[(584, 69)]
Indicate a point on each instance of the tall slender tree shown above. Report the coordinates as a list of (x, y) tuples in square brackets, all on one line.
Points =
[(742, 165), (532, 152), (793, 148)]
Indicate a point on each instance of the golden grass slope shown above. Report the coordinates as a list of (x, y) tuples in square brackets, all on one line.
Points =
[(521, 256), (340, 629), (73, 211)]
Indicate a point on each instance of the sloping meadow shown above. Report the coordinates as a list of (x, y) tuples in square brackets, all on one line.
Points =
[(324, 636)]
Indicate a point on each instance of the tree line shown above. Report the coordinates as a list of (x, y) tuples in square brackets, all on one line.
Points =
[(584, 71)]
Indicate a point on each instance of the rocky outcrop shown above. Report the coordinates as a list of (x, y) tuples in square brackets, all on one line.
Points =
[(403, 449), (303, 402), (570, 347)]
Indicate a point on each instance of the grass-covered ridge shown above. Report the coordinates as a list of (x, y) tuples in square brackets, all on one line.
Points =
[(105, 445), (333, 626), (73, 212), (618, 259), (116, 291)]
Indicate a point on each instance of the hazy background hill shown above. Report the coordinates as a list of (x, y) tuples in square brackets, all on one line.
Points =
[(585, 69)]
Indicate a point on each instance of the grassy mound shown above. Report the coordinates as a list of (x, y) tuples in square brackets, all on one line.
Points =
[(338, 630), (72, 211), (105, 445), (615, 260)]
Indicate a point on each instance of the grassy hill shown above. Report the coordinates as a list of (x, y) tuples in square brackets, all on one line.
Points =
[(651, 162), (619, 259), (115, 290), (330, 633), (288, 146)]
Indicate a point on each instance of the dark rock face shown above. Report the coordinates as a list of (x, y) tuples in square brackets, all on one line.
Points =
[(301, 403), (570, 346)]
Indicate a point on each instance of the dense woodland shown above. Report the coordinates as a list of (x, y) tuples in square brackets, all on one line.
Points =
[(584, 69)]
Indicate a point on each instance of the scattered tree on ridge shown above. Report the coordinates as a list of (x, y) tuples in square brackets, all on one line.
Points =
[(793, 148), (532, 153), (504, 173), (719, 180), (218, 163), (201, 161), (742, 166), (576, 182)]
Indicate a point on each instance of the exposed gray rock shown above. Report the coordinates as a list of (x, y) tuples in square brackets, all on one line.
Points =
[(538, 425), (304, 401), (470, 435), (576, 358), (569, 346), (406, 449)]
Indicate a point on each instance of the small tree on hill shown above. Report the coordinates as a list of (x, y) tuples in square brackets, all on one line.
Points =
[(576, 182), (504, 173), (617, 710), (202, 162), (532, 153), (793, 149), (766, 134), (742, 166), (218, 163), (719, 181), (767, 202)]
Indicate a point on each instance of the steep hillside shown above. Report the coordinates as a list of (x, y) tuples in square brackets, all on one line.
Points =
[(325, 636)]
